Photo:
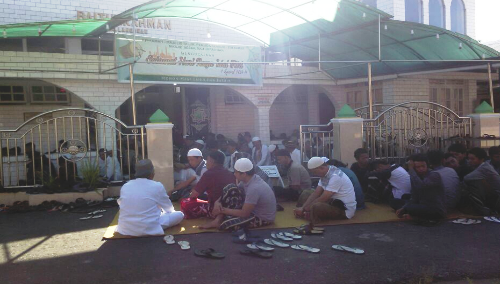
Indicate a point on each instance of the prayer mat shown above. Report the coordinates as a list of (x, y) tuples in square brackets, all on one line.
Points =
[(374, 213)]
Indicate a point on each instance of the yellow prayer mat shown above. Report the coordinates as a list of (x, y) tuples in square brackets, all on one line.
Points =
[(374, 213)]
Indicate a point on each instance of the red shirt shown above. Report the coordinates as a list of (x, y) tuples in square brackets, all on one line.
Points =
[(213, 182)]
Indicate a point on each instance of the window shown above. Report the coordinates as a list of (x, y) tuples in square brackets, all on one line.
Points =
[(458, 16), (91, 46), (413, 11), (11, 44), (371, 3), (449, 93), (12, 94), (436, 13), (46, 44), (354, 99), (232, 98), (378, 96), (49, 94)]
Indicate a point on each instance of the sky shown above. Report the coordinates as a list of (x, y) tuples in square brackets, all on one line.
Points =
[(486, 20)]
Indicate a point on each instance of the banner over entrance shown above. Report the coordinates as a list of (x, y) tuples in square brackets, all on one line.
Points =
[(172, 61)]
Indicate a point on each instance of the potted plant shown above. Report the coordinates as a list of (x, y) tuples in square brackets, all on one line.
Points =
[(91, 179)]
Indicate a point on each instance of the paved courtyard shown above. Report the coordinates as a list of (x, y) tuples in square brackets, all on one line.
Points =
[(42, 247)]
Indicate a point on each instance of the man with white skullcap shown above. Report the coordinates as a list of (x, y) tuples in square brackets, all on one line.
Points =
[(190, 176), (334, 198), (145, 209), (252, 204), (260, 153)]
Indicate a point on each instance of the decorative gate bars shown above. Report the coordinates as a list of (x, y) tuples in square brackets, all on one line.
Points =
[(316, 141), (58, 144), (412, 127)]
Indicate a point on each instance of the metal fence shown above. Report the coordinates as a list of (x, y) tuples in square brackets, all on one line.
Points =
[(60, 144), (316, 141), (413, 127)]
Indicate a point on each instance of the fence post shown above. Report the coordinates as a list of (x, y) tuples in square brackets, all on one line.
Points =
[(347, 135), (160, 148)]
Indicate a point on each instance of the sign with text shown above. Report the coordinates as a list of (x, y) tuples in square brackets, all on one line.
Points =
[(172, 61), (272, 172)]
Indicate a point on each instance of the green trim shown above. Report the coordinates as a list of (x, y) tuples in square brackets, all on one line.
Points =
[(484, 107), (346, 112), (159, 117)]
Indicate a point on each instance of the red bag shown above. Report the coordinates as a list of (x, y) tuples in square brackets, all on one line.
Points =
[(194, 208)]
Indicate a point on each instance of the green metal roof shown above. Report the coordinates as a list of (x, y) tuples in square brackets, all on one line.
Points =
[(255, 18), (70, 28)]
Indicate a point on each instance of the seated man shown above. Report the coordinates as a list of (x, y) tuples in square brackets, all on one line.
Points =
[(109, 167), (448, 177), (145, 208), (291, 147), (484, 182), (212, 182), (361, 167), (427, 201), (251, 204), (398, 181), (333, 199), (358, 191), (460, 153), (189, 176), (494, 161), (260, 153), (297, 175), (450, 161)]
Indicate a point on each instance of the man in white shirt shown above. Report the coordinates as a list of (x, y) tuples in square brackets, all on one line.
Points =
[(109, 167), (189, 176), (145, 209), (333, 199), (291, 146), (260, 153)]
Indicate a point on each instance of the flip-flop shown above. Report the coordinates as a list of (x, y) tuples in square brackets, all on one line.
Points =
[(492, 219), (97, 211), (281, 236), (209, 253), (169, 239), (306, 248), (290, 235), (467, 221), (259, 246), (276, 243), (348, 249), (308, 232), (256, 253), (86, 218), (184, 245), (309, 227)]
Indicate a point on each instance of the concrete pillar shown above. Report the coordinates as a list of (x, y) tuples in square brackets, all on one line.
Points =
[(485, 123), (160, 152), (347, 137), (262, 124)]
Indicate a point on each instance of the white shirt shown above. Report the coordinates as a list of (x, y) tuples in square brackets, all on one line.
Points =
[(110, 168), (232, 160), (339, 183), (400, 181), (266, 158), (141, 202), (296, 156)]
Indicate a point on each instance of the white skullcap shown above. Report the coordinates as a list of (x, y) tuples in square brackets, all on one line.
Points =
[(243, 165), (255, 139), (201, 142), (325, 159), (271, 148), (195, 152), (315, 162)]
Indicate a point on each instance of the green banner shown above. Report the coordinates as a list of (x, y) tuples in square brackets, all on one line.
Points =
[(171, 61)]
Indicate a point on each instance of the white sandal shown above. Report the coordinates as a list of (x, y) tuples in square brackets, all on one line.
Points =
[(348, 249), (169, 239), (306, 248), (184, 245)]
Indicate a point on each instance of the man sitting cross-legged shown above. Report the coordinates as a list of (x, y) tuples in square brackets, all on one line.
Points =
[(428, 201), (189, 176), (145, 208), (297, 175), (334, 197), (251, 204), (212, 182)]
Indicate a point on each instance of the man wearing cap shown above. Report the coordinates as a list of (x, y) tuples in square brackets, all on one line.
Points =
[(188, 145), (291, 147), (297, 175), (334, 197), (190, 176), (251, 204), (145, 208), (260, 153), (212, 182), (109, 167)]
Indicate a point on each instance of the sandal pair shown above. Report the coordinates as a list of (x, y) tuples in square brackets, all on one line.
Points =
[(209, 253), (285, 236), (466, 221)]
